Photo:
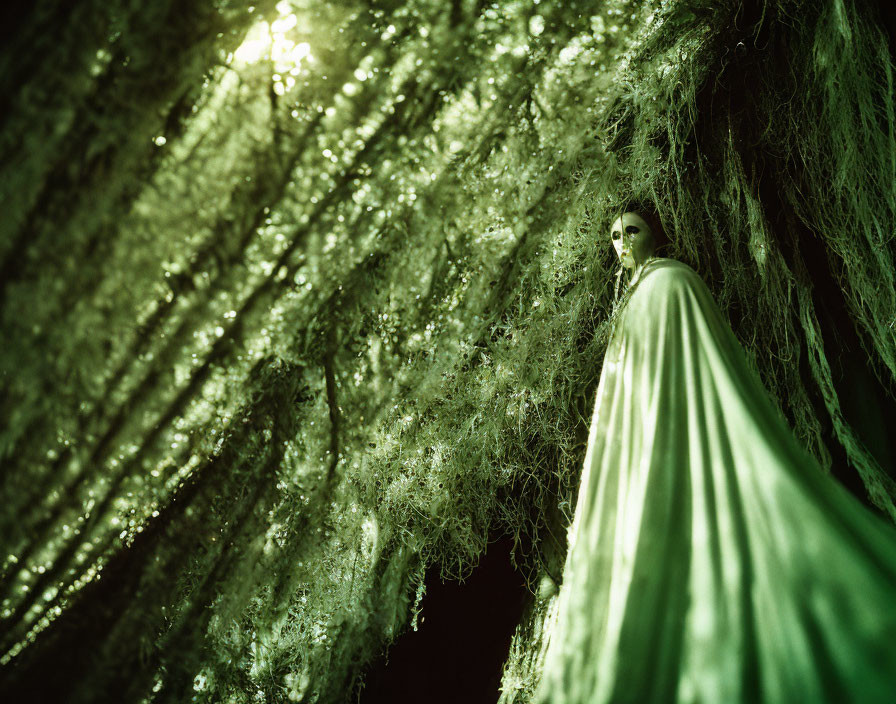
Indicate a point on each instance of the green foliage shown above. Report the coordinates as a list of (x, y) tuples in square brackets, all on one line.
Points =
[(284, 331)]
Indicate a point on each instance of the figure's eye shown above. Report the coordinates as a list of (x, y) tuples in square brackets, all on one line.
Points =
[(632, 229)]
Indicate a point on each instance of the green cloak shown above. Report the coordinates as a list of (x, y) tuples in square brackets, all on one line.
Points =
[(710, 557)]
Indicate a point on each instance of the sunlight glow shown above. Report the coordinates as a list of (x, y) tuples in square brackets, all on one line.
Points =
[(270, 41), (255, 46)]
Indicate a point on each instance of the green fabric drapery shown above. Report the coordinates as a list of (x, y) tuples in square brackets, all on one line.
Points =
[(711, 560)]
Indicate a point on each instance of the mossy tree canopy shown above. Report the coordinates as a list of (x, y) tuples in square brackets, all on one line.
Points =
[(302, 299)]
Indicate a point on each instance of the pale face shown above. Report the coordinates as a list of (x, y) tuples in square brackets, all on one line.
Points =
[(632, 239)]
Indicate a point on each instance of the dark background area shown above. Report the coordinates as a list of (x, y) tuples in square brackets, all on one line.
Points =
[(463, 637)]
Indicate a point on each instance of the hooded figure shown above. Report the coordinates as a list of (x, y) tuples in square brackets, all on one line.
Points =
[(710, 557)]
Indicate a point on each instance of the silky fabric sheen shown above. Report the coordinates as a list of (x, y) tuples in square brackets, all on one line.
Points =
[(710, 557)]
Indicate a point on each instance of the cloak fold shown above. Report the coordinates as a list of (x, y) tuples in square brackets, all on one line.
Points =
[(710, 558)]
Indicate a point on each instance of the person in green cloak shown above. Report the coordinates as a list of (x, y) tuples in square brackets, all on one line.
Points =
[(710, 557)]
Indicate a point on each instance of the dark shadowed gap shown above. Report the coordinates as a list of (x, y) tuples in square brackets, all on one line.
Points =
[(462, 641), (887, 10), (864, 403), (12, 15)]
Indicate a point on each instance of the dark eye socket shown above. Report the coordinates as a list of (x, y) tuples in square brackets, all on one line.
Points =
[(632, 229)]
